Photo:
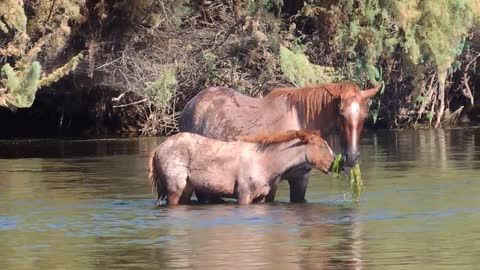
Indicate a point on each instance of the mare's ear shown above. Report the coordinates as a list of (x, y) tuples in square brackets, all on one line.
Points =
[(369, 93), (333, 89)]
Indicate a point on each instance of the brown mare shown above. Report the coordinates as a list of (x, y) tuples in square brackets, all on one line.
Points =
[(246, 170), (223, 114)]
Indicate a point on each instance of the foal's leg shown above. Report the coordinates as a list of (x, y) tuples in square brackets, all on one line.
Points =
[(175, 188), (298, 187), (260, 199), (273, 190), (244, 199), (187, 194), (243, 193)]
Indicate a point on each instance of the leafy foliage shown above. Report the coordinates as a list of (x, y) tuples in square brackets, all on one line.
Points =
[(425, 35), (161, 53), (299, 71), (41, 35), (366, 37), (11, 11), (162, 90), (22, 85)]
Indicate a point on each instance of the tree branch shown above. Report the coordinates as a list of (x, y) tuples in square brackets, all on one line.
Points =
[(129, 104)]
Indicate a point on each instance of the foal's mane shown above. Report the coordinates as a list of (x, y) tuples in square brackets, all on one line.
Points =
[(314, 98), (278, 137)]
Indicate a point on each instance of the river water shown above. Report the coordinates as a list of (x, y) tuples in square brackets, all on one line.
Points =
[(86, 204)]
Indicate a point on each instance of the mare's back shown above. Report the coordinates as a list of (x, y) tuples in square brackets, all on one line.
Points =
[(223, 114)]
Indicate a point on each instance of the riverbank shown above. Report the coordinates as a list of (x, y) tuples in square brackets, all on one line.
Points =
[(91, 114), (143, 60)]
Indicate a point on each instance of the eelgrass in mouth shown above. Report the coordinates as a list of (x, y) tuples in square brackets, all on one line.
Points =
[(352, 175)]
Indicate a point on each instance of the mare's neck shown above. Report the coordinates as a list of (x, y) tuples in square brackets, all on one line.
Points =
[(325, 118), (278, 158)]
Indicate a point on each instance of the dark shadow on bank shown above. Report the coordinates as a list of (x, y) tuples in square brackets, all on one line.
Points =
[(70, 108)]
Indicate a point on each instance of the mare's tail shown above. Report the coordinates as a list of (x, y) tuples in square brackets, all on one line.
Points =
[(156, 181)]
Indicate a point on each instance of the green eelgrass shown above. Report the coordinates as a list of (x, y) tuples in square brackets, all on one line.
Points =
[(354, 177), (356, 183), (336, 165)]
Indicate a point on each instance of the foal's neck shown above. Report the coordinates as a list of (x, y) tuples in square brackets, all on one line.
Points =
[(278, 158)]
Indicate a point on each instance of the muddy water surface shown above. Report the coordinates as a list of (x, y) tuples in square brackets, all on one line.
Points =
[(86, 205)]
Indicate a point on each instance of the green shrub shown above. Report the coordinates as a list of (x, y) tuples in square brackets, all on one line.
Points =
[(299, 71), (44, 32), (22, 85), (161, 90)]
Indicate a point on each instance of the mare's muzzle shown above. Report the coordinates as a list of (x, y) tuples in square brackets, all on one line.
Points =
[(351, 159)]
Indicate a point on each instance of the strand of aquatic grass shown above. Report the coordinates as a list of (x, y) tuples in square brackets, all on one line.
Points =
[(354, 177), (336, 165), (356, 183)]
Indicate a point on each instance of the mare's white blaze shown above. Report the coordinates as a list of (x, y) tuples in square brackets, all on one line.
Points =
[(330, 149), (354, 112)]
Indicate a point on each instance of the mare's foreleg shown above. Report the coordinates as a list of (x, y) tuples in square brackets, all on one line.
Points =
[(203, 197), (298, 187)]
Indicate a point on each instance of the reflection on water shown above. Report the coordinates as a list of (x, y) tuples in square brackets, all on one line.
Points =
[(86, 204)]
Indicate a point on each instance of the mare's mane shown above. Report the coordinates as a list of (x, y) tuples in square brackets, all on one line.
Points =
[(314, 98), (278, 137)]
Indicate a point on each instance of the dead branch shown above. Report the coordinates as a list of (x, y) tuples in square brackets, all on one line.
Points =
[(441, 97), (130, 104), (426, 101)]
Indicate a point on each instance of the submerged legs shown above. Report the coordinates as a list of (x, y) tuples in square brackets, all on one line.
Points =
[(273, 190), (203, 197), (186, 194), (244, 199), (298, 187), (178, 189)]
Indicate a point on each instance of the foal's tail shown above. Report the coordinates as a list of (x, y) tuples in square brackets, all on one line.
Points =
[(155, 180)]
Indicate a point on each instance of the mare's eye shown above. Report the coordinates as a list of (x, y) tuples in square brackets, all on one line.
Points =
[(369, 102)]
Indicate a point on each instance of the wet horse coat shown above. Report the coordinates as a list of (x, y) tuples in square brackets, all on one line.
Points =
[(246, 170), (223, 114)]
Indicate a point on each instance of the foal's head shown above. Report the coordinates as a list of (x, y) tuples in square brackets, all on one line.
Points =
[(353, 109), (318, 152)]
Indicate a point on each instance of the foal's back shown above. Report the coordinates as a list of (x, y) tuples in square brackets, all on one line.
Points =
[(201, 156)]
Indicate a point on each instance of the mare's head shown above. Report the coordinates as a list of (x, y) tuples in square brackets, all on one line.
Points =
[(352, 110), (317, 151), (325, 106)]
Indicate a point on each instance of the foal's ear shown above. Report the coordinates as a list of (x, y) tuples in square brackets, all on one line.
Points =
[(302, 136), (369, 93)]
